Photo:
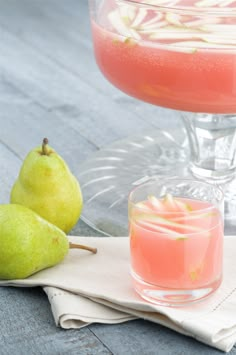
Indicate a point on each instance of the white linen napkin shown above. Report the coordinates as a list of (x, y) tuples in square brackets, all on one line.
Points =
[(74, 311), (88, 288)]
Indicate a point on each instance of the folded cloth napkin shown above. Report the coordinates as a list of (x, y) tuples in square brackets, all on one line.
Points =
[(88, 288), (74, 311)]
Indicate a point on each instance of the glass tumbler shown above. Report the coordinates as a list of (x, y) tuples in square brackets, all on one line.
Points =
[(176, 240)]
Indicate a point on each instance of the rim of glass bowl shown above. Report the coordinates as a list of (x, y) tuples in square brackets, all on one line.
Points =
[(199, 211), (188, 10)]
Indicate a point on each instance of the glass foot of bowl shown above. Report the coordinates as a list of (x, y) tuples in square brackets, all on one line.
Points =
[(108, 176)]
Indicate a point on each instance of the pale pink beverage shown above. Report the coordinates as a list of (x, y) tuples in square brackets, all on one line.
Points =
[(176, 246), (170, 58)]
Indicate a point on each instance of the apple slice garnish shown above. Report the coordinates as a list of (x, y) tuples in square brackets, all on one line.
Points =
[(169, 232), (194, 45), (152, 28), (142, 13), (130, 22), (221, 28), (193, 216), (170, 47), (154, 20), (183, 206), (167, 3), (169, 202), (172, 234), (156, 203), (202, 22), (150, 218), (173, 19), (121, 27), (175, 204), (174, 35), (215, 39), (127, 13), (143, 206), (207, 3), (175, 32), (118, 24), (226, 3), (164, 222)]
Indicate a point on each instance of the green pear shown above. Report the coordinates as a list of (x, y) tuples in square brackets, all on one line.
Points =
[(28, 243), (46, 185)]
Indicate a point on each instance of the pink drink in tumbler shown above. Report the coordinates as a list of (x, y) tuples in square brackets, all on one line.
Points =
[(176, 247)]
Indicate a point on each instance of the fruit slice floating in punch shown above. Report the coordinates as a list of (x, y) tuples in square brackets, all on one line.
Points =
[(168, 27), (168, 215)]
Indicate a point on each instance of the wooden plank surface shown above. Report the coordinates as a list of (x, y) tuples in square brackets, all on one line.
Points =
[(50, 86), (28, 328)]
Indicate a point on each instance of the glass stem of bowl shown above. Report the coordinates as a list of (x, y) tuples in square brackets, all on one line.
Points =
[(212, 141)]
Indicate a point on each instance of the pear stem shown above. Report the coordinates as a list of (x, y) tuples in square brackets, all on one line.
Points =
[(45, 147), (85, 247)]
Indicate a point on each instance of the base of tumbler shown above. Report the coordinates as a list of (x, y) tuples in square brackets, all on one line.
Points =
[(172, 297)]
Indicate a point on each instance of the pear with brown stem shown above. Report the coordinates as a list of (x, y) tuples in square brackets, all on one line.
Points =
[(46, 185), (28, 243)]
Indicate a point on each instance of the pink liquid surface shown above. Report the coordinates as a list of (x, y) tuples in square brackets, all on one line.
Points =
[(203, 81), (192, 262)]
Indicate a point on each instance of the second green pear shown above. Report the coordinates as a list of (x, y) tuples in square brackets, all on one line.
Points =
[(28, 243), (46, 185)]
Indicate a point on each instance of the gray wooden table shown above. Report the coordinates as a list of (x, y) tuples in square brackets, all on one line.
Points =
[(50, 86)]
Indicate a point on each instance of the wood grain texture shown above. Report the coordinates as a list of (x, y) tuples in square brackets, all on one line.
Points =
[(77, 104), (142, 337), (10, 165), (27, 327), (71, 50), (50, 86)]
